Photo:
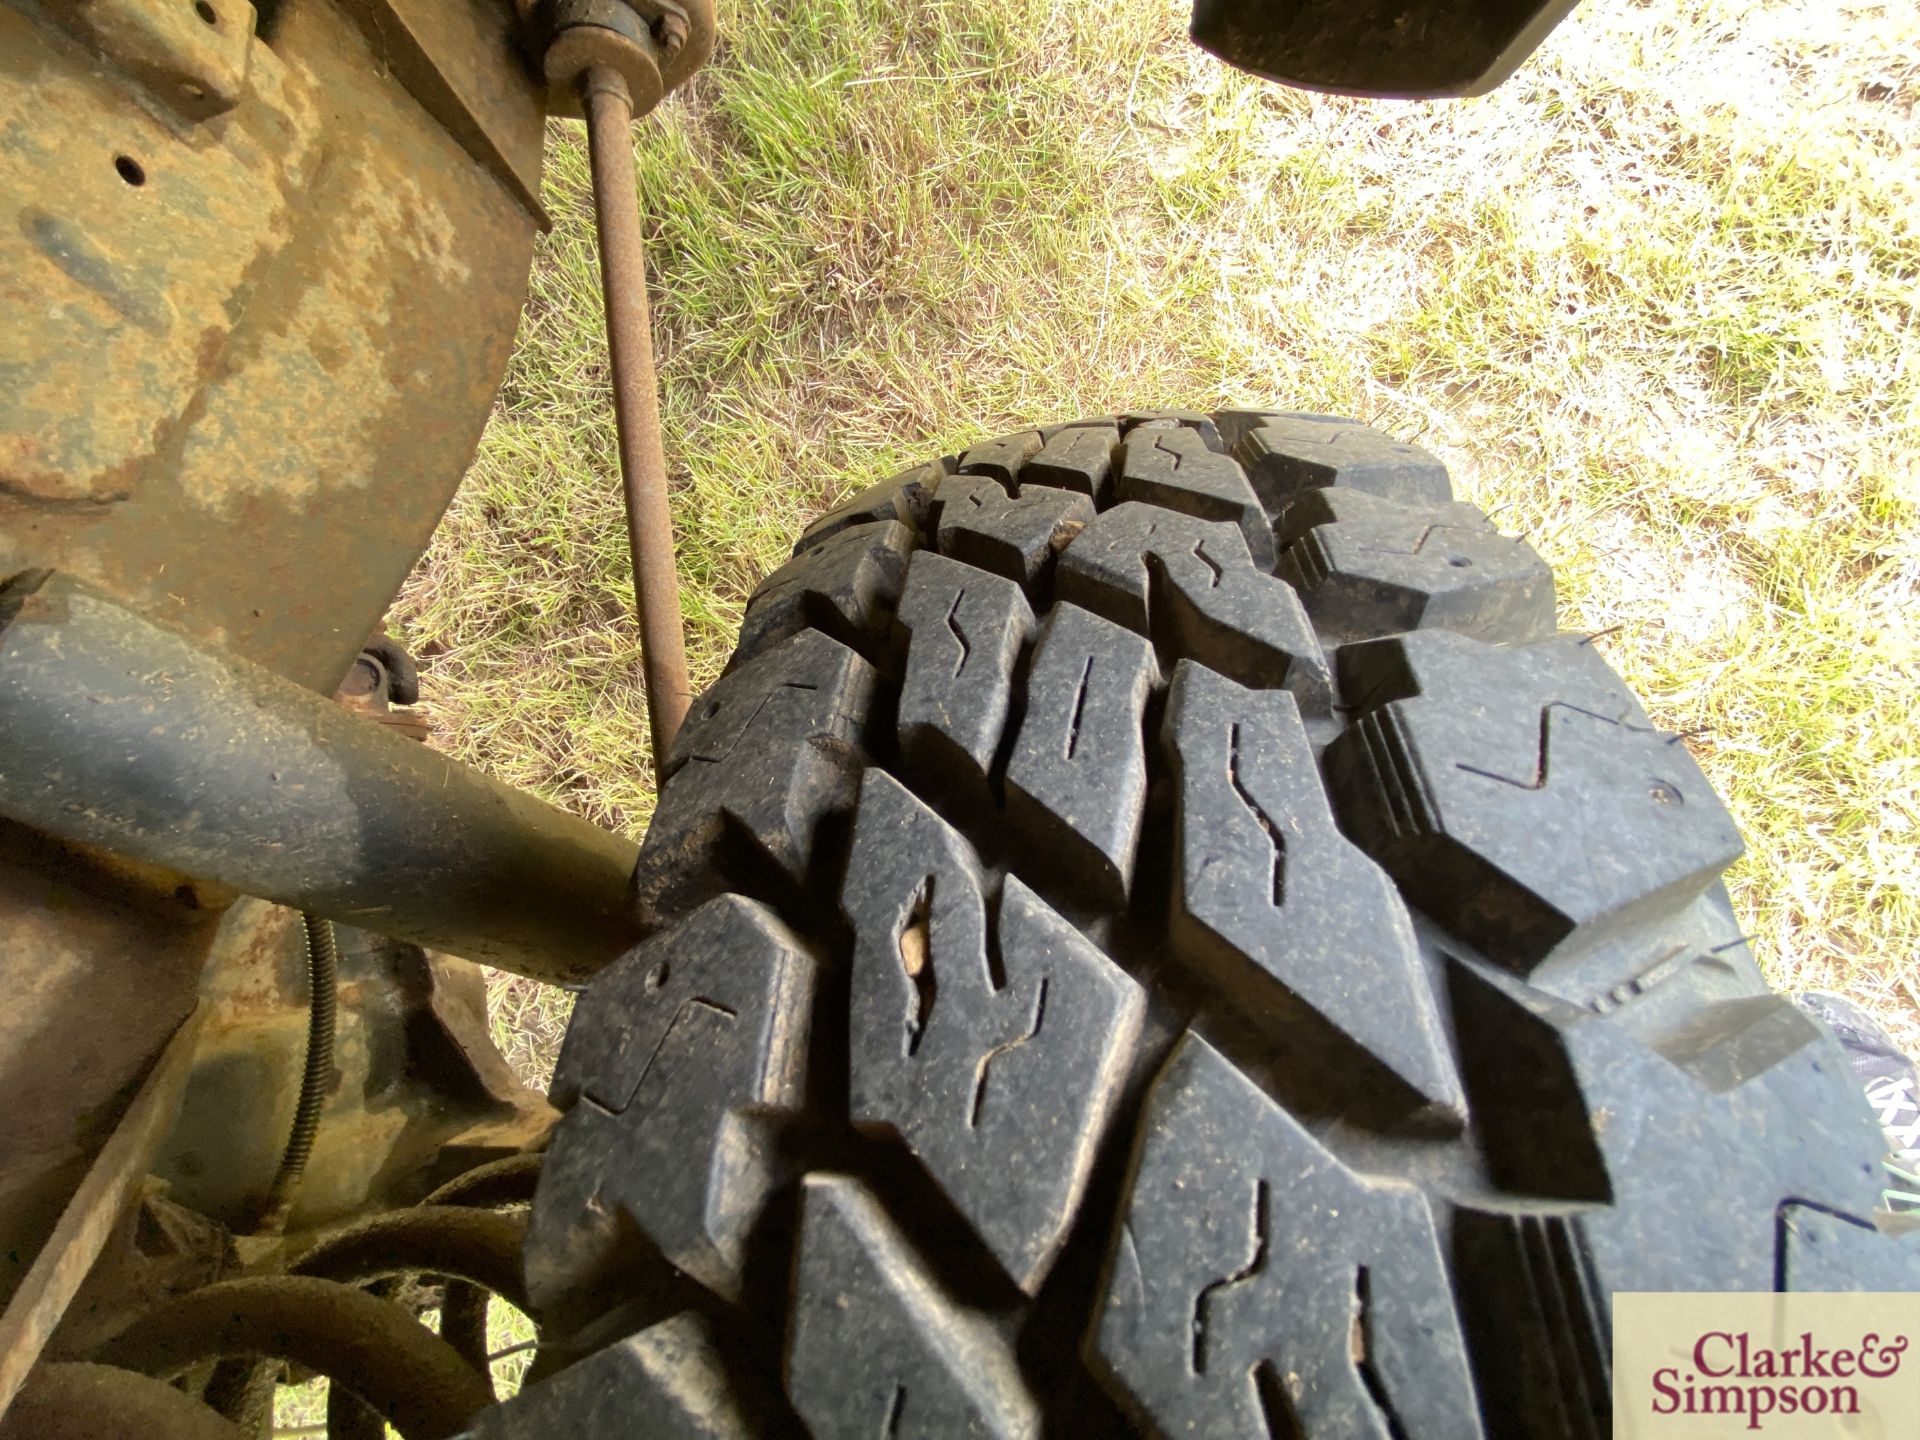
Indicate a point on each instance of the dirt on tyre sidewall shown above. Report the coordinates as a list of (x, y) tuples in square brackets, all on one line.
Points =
[(1157, 933)]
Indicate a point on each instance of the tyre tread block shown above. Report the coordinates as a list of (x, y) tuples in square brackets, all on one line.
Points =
[(1175, 470), (1725, 1043), (1258, 1284), (1001, 457), (1232, 425), (1338, 505), (667, 1048), (1193, 586), (1077, 778), (769, 752), (1687, 1134), (669, 1373), (875, 1347), (1298, 452), (907, 498), (1561, 1095), (1521, 795), (994, 1048), (1273, 901), (1391, 573), (1015, 536), (846, 585), (967, 630), (1078, 459), (1197, 421)]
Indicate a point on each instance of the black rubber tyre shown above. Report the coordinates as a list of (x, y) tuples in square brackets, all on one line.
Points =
[(1156, 933)]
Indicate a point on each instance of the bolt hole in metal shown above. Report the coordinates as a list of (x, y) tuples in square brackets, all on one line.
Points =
[(131, 170), (206, 12)]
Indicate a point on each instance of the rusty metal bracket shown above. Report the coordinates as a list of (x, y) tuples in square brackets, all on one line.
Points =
[(192, 59), (655, 45), (448, 58), (604, 34)]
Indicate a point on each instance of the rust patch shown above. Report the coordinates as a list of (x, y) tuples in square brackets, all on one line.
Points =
[(76, 257), (255, 377)]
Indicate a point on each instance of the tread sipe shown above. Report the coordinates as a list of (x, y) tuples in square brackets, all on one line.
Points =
[(1155, 933)]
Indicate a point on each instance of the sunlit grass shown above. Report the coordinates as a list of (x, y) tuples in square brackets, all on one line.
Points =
[(1653, 300)]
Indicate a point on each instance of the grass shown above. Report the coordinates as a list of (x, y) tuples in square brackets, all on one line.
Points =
[(1653, 300)]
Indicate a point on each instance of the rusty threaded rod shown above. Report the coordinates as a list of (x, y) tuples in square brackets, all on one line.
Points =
[(636, 405)]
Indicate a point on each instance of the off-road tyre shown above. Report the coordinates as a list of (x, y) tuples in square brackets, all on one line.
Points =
[(1156, 932)]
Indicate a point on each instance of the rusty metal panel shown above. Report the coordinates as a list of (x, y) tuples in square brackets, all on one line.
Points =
[(130, 234), (246, 369)]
